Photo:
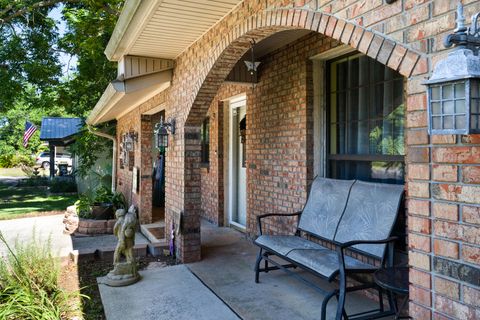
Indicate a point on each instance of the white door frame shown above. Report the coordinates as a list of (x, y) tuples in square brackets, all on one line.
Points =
[(233, 103)]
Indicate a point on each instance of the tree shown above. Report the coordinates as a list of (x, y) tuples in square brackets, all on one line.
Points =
[(90, 26), (28, 59), (31, 72)]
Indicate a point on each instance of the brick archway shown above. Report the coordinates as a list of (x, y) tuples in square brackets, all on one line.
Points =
[(225, 55), (194, 99)]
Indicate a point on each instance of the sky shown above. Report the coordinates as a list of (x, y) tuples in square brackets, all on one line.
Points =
[(65, 59)]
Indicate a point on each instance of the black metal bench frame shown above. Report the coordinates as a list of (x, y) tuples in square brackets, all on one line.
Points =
[(340, 293)]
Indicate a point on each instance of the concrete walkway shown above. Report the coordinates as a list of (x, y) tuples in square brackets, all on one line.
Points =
[(164, 294), (63, 245), (41, 228), (227, 269)]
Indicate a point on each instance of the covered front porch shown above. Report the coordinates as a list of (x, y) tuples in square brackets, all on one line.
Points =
[(226, 269)]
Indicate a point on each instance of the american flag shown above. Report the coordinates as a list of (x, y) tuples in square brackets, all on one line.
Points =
[(29, 131)]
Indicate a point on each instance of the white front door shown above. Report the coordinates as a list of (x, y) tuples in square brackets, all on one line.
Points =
[(238, 170)]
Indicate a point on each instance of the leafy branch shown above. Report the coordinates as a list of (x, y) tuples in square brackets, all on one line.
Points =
[(10, 12)]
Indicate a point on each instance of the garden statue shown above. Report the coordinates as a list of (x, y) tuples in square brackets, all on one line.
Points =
[(124, 273)]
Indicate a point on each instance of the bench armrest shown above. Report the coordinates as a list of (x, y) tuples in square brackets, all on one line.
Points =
[(260, 217), (355, 242), (389, 241)]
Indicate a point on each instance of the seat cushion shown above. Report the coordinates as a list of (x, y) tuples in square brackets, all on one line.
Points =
[(370, 214), (284, 244), (324, 261), (325, 205)]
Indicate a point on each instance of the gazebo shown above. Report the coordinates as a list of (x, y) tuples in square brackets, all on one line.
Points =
[(59, 132)]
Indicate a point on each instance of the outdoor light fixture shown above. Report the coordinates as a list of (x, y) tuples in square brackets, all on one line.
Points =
[(252, 66), (454, 88), (161, 132), (129, 140)]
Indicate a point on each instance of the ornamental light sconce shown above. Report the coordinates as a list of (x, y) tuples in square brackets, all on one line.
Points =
[(252, 66), (129, 140), (161, 132), (453, 90)]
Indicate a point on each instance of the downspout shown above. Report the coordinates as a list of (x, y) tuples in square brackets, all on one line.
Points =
[(114, 151)]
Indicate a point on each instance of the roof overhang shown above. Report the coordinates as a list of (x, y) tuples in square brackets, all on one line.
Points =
[(122, 96), (163, 28)]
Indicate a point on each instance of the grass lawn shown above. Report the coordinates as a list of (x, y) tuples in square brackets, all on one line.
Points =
[(17, 202), (12, 172)]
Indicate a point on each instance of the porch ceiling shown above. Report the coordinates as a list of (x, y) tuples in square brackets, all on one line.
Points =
[(163, 28)]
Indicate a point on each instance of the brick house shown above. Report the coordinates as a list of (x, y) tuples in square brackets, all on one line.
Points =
[(338, 93)]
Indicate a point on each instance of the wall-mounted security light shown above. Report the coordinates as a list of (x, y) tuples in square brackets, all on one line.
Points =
[(454, 87)]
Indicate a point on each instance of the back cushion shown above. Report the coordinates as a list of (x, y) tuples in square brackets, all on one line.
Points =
[(370, 215), (325, 206)]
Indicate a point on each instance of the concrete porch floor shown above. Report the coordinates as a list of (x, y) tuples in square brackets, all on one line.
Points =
[(228, 259)]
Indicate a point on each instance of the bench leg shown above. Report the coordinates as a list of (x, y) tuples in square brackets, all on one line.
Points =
[(324, 304), (344, 313), (257, 266), (341, 297), (380, 299)]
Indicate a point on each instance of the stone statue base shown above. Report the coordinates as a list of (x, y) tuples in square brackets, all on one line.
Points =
[(123, 274)]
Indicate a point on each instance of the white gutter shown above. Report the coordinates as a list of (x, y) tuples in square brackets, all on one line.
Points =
[(122, 96), (133, 19), (114, 153)]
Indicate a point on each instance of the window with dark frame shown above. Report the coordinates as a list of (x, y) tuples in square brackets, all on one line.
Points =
[(205, 141), (365, 117)]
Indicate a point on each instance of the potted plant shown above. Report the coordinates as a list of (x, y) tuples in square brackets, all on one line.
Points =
[(102, 206)]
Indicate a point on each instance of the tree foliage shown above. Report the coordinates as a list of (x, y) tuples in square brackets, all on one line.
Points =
[(33, 85)]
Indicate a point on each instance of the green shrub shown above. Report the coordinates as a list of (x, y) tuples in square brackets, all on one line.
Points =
[(83, 208), (29, 283), (10, 160), (119, 201), (103, 195), (34, 181), (63, 185)]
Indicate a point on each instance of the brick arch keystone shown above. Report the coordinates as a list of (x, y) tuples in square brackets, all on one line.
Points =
[(232, 47)]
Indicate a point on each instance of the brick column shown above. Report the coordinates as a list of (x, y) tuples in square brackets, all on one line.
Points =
[(183, 194), (145, 140)]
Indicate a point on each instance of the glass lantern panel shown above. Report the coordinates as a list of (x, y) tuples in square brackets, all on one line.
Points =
[(475, 106), (437, 122), (460, 90), (448, 107), (447, 91), (460, 122), (475, 88), (474, 122), (436, 108), (448, 122), (435, 93), (460, 106)]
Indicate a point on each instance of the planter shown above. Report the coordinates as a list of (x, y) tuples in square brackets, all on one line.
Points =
[(102, 211), (93, 227)]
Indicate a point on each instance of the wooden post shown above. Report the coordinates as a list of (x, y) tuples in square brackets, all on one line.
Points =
[(52, 160)]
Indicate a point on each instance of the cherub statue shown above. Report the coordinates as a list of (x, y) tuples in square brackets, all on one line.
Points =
[(124, 273), (124, 230)]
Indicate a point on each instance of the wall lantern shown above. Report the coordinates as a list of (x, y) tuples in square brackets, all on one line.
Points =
[(252, 66), (454, 88), (161, 132), (129, 140)]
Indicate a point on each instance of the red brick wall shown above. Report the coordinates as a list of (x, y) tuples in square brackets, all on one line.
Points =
[(212, 181), (442, 183), (135, 122), (279, 133)]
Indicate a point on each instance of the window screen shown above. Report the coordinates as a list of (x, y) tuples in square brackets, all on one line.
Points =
[(366, 120)]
